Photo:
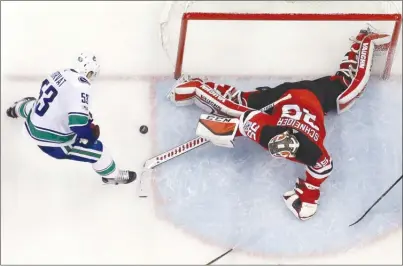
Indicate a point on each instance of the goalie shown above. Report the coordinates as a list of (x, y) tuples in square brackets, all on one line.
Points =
[(294, 128)]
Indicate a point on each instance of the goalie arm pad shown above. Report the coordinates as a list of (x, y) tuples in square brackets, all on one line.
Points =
[(221, 131)]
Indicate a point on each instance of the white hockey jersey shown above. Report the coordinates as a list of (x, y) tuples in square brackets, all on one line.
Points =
[(63, 103)]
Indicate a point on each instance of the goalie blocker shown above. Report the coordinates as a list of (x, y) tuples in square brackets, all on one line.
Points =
[(220, 131)]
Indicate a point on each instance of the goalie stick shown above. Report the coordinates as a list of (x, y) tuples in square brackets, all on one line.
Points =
[(175, 152), (182, 149), (164, 157), (386, 192), (192, 144)]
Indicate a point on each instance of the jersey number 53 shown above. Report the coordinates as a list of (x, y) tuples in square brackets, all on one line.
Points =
[(47, 95)]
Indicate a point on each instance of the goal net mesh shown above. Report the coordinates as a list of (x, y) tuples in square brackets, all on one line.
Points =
[(243, 37)]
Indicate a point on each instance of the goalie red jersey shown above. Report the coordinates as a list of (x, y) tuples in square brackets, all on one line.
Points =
[(293, 130), (300, 115)]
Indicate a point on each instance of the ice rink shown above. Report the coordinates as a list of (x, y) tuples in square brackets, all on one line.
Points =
[(205, 202)]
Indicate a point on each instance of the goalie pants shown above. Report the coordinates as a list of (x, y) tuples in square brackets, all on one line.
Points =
[(326, 89)]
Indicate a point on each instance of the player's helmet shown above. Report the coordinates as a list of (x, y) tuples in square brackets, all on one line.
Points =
[(87, 65), (284, 145)]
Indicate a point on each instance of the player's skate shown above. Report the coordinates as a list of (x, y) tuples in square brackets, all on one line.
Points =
[(122, 177), (303, 200), (12, 111), (355, 68)]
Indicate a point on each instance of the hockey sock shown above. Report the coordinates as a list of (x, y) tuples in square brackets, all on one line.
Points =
[(105, 166)]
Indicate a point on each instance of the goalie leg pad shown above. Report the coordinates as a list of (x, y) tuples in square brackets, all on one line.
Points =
[(206, 96), (363, 69), (221, 131), (213, 102), (183, 93)]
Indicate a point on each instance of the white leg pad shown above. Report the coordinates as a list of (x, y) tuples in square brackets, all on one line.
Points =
[(213, 102), (346, 99)]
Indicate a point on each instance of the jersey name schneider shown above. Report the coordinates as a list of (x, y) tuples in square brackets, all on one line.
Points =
[(289, 122)]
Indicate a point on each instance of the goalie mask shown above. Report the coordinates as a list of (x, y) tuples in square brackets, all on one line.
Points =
[(283, 145)]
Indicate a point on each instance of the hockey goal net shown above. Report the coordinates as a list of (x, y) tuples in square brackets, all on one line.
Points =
[(273, 38)]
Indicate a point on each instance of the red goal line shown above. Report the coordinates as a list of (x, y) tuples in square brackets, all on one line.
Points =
[(397, 18)]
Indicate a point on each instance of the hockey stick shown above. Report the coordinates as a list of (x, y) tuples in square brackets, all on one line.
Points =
[(250, 239), (174, 152), (219, 257), (182, 149), (164, 157), (386, 192)]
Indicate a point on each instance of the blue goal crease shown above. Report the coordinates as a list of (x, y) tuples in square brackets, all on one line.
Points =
[(228, 195)]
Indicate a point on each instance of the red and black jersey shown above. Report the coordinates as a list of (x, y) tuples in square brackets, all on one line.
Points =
[(326, 90), (302, 115)]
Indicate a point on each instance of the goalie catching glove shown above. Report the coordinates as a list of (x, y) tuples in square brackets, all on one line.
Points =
[(303, 200)]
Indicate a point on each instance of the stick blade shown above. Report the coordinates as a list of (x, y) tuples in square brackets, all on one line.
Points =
[(144, 184), (219, 257), (150, 163), (356, 222)]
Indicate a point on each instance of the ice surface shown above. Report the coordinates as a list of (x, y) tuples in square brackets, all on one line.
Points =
[(59, 211), (234, 196)]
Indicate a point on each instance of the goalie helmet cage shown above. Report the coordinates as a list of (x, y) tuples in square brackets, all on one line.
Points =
[(390, 14)]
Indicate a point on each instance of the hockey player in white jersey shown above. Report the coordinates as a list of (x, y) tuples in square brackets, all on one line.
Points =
[(61, 124)]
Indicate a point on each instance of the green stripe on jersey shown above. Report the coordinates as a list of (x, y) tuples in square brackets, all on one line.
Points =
[(78, 150), (44, 135), (76, 120), (21, 110)]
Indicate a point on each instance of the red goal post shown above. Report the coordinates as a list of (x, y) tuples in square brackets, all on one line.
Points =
[(186, 17)]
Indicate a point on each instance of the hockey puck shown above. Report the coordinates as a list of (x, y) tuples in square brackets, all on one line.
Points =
[(143, 129)]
